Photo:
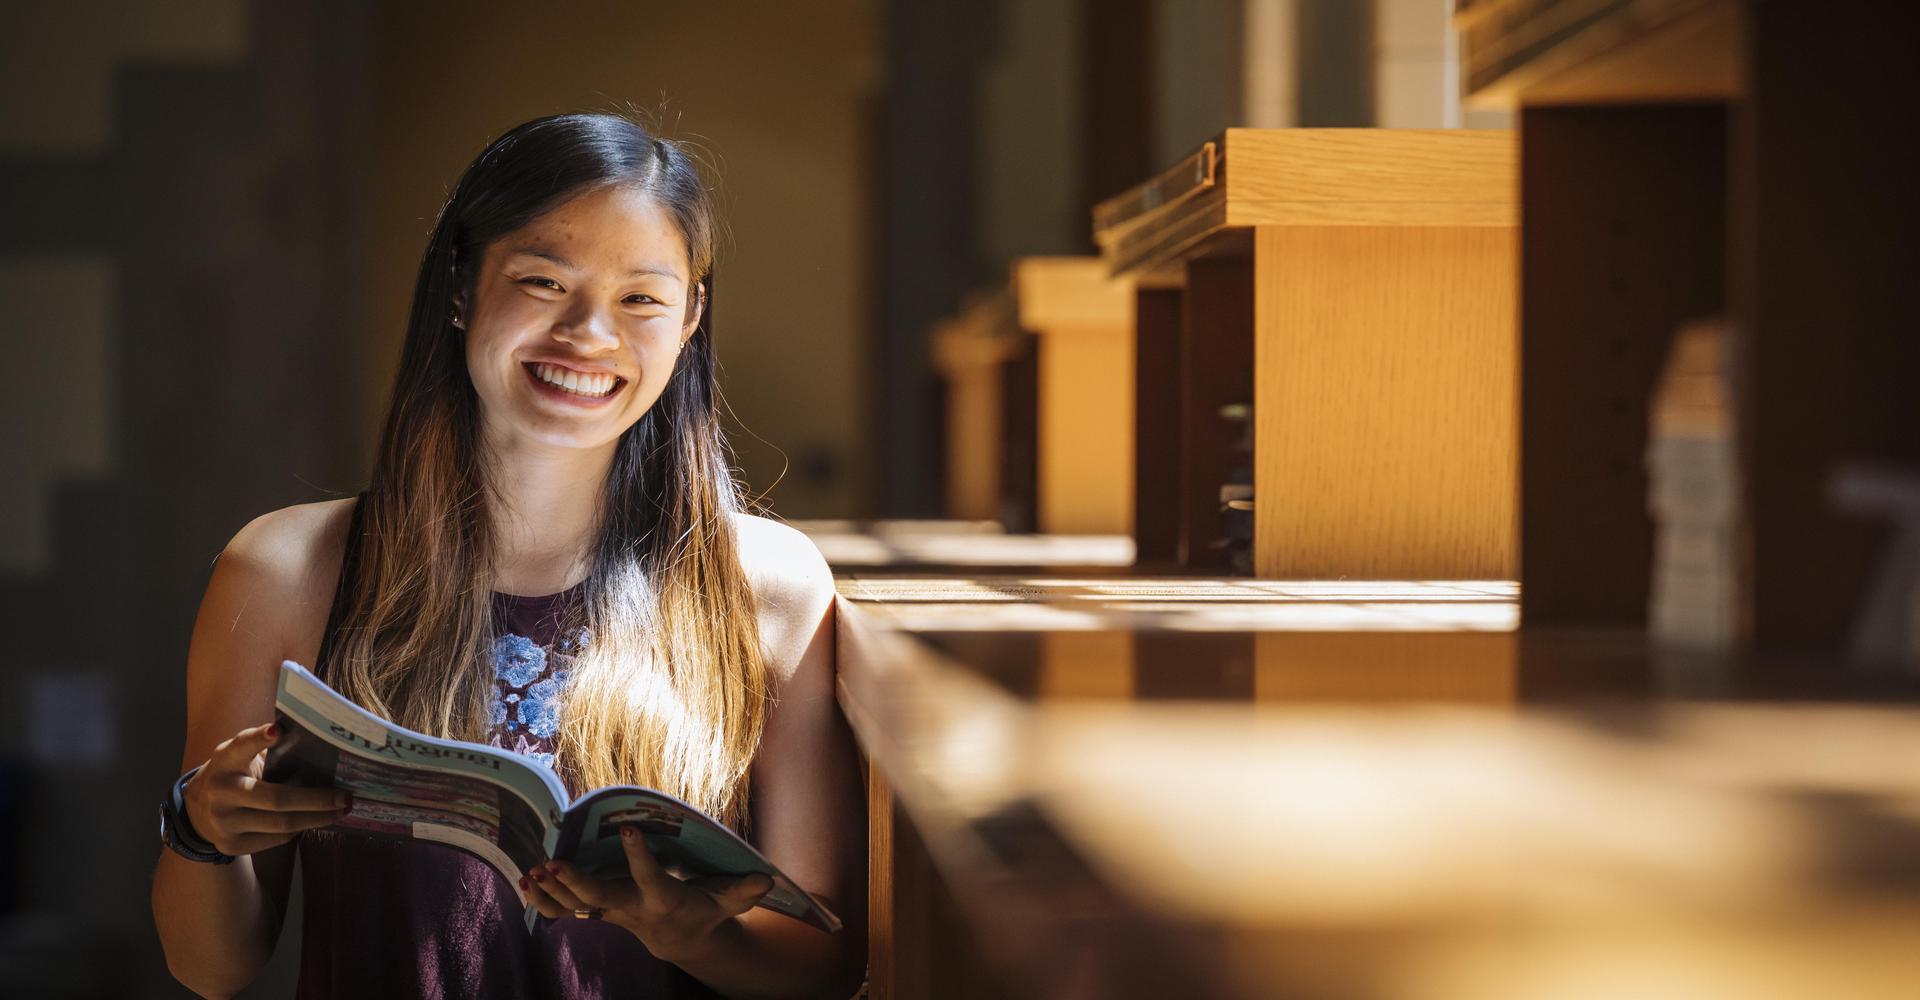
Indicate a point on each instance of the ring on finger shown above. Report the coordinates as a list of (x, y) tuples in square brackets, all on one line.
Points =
[(588, 913)]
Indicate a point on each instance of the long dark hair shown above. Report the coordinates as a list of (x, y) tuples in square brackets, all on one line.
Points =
[(670, 691)]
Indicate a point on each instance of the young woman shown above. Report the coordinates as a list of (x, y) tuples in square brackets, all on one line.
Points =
[(550, 557)]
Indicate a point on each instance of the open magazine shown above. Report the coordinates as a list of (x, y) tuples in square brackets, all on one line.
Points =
[(503, 808)]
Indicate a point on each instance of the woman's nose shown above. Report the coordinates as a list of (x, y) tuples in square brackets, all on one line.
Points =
[(587, 328)]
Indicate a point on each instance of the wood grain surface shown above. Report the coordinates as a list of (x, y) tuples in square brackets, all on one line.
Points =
[(1329, 177), (1086, 430), (1083, 322), (1070, 291), (1384, 402), (1371, 177), (1461, 668)]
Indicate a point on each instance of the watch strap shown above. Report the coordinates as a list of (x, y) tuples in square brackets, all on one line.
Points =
[(177, 832)]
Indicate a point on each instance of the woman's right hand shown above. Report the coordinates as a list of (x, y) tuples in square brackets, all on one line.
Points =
[(230, 806)]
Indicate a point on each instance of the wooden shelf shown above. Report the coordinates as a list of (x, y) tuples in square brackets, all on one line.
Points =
[(1346, 303)]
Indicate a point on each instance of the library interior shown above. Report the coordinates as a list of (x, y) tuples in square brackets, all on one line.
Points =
[(1375, 499)]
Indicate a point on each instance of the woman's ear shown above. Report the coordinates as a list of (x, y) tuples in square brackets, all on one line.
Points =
[(694, 312)]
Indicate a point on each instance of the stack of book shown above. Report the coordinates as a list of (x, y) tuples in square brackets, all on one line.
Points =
[(1693, 473)]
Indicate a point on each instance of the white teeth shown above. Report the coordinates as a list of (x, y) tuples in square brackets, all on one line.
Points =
[(574, 382)]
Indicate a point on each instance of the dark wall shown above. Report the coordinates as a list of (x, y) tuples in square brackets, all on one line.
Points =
[(221, 211)]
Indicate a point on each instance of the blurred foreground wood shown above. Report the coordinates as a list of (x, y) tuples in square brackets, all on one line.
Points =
[(1406, 812)]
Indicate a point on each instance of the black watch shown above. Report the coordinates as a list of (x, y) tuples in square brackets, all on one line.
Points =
[(178, 834)]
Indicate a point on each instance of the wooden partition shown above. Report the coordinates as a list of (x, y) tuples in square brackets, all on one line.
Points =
[(1039, 378), (1347, 302), (1082, 320)]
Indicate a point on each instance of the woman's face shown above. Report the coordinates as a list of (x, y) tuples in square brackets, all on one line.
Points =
[(577, 320)]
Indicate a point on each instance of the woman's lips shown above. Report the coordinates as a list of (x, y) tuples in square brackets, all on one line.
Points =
[(562, 395)]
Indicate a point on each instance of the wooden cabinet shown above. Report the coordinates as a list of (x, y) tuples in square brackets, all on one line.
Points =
[(1326, 320)]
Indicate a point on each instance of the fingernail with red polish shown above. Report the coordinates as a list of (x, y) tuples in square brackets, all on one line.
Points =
[(627, 832), (273, 730), (539, 876)]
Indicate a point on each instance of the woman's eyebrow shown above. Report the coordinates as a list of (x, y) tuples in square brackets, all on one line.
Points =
[(643, 270)]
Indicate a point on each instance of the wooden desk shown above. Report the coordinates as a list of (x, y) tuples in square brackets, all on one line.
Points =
[(1684, 159), (947, 547), (1049, 638), (1082, 320), (1035, 842), (1350, 292)]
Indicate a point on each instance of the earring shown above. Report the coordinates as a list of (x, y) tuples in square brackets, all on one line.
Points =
[(457, 324)]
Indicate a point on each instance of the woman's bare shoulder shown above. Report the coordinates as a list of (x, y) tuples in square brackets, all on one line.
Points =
[(783, 564), (289, 542), (267, 601), (293, 554), (791, 585)]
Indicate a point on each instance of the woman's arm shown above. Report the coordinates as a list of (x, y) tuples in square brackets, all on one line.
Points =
[(218, 923), (808, 799)]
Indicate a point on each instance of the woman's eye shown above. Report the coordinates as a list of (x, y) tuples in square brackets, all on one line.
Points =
[(536, 280), (643, 300)]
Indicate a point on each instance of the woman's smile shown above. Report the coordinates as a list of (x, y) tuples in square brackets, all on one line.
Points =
[(575, 388)]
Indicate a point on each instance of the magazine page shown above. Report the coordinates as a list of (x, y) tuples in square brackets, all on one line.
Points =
[(686, 841), (483, 800)]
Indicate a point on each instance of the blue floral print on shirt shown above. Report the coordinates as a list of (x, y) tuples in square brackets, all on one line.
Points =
[(540, 711), (518, 659), (524, 715)]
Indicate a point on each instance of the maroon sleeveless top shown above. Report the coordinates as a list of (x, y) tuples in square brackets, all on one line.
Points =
[(392, 918)]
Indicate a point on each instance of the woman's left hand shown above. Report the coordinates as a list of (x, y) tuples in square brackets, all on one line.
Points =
[(675, 919)]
